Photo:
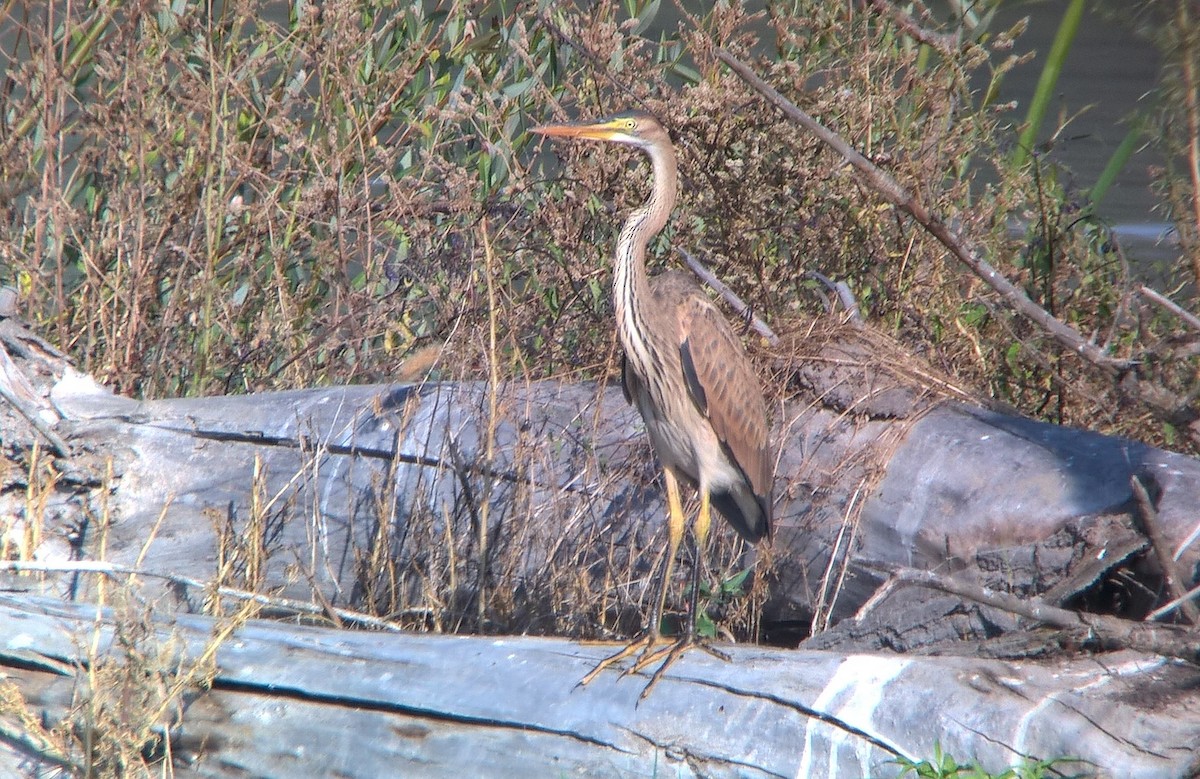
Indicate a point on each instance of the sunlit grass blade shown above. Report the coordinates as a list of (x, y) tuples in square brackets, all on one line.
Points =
[(1048, 81)]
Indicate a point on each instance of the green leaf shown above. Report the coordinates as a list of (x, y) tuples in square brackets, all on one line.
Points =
[(733, 585), (646, 18), (686, 72), (519, 88)]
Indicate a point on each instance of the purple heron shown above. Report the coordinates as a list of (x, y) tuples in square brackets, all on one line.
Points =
[(688, 375)]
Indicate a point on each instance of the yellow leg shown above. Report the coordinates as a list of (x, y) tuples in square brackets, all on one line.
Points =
[(703, 522), (675, 523), (645, 644), (688, 640)]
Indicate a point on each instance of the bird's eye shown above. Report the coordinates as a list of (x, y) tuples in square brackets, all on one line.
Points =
[(630, 124)]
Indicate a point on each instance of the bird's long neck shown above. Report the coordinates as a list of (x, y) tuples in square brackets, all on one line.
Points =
[(631, 286)]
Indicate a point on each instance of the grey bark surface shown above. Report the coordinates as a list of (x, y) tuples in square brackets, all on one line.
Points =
[(350, 491), (960, 487), (293, 700)]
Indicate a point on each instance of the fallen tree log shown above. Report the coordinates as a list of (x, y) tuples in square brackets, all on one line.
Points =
[(379, 505), (374, 497), (287, 700)]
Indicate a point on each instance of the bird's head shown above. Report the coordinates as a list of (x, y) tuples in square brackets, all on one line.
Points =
[(633, 128)]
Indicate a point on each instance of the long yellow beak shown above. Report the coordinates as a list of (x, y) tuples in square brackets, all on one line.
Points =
[(596, 131)]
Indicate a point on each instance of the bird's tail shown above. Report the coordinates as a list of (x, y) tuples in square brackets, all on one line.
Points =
[(749, 514)]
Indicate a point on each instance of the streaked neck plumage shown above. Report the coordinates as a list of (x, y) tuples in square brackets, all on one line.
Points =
[(631, 286)]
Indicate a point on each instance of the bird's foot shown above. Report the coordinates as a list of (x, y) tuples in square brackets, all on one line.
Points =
[(668, 655), (648, 653), (639, 646)]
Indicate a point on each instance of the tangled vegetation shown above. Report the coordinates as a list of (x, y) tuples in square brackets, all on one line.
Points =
[(244, 196), (270, 196)]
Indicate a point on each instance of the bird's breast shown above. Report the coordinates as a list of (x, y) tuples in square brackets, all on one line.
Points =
[(672, 431), (682, 436)]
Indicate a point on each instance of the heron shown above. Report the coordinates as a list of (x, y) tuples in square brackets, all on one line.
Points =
[(688, 375)]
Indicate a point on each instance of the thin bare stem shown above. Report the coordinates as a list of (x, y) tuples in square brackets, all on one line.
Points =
[(1111, 632), (943, 42), (113, 570), (1170, 305), (1147, 518), (894, 193), (1191, 80), (489, 451), (1167, 608), (744, 311)]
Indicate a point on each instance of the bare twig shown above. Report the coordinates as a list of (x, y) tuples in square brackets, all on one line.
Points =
[(307, 443), (1171, 305), (1147, 518), (894, 193), (81, 51), (31, 744), (1167, 608), (489, 446), (9, 371), (1111, 632), (283, 604), (598, 62), (743, 311), (844, 294), (943, 42), (1189, 78)]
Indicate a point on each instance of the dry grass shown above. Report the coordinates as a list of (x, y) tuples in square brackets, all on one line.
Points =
[(199, 204), (123, 695), (297, 201)]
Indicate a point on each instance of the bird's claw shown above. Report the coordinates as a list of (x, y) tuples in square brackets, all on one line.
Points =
[(648, 655), (638, 645), (668, 655)]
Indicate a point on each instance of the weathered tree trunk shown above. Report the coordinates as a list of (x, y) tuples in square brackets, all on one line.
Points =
[(291, 701), (533, 508), (325, 477)]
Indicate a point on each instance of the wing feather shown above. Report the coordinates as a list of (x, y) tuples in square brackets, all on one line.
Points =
[(694, 385), (725, 388), (628, 380)]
